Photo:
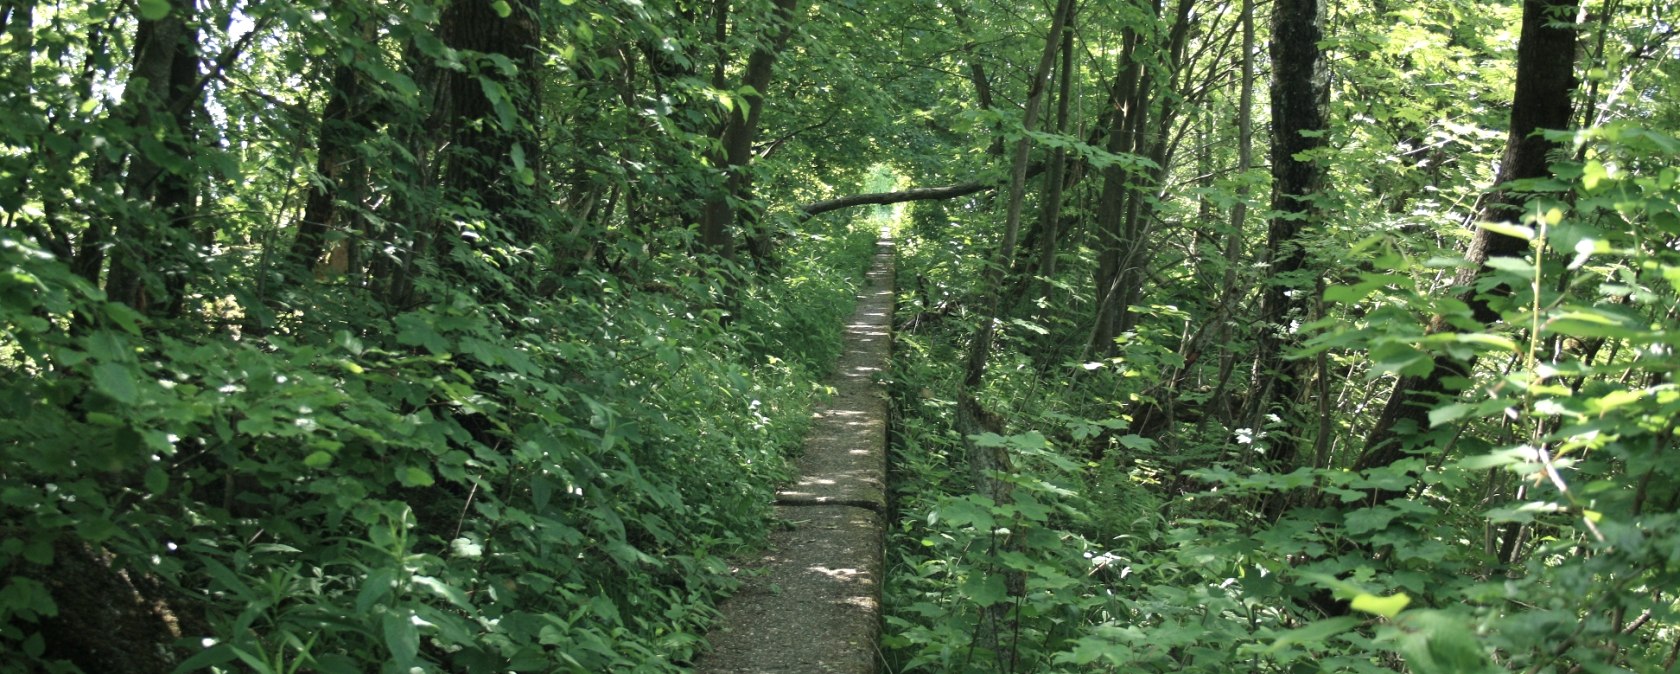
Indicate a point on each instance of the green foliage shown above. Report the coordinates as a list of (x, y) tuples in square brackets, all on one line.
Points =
[(432, 489), (339, 342), (335, 338), (1521, 533)]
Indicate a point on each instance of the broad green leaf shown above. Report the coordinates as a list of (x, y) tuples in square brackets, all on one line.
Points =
[(124, 317), (215, 655), (1514, 265), (502, 8), (1313, 635), (500, 102), (1346, 294), (1435, 642), (1614, 399), (375, 588), (1499, 342), (1508, 229), (415, 476), (1367, 520), (1134, 441), (963, 512), (157, 480), (153, 10), (1592, 174), (1504, 457), (984, 589), (542, 489), (1387, 607), (449, 593), (1339, 588), (1587, 322), (401, 636), (1449, 413), (115, 380)]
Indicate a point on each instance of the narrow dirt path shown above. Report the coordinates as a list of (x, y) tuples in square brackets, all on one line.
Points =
[(813, 603)]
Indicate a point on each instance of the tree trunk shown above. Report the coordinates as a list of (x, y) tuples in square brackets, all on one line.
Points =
[(1229, 293), (1111, 201), (720, 216), (1545, 81), (343, 127), (1300, 96), (1124, 213), (1140, 205), (491, 137), (972, 419), (160, 91)]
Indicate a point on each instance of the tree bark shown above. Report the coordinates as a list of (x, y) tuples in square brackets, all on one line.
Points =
[(483, 135), (972, 419), (159, 94), (1158, 148), (343, 127), (1111, 201), (1050, 218), (1300, 97), (720, 216), (1124, 214), (1545, 81), (1222, 409)]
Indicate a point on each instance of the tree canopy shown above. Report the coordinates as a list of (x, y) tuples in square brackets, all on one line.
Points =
[(474, 335)]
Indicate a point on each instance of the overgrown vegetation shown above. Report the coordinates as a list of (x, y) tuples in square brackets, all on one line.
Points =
[(452, 389), (471, 335), (1219, 486), (433, 488)]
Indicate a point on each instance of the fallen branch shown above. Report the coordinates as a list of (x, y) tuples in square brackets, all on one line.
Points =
[(916, 194)]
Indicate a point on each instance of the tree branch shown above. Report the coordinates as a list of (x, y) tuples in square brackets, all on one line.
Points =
[(916, 194)]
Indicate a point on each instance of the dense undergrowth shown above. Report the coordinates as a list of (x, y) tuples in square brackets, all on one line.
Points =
[(449, 488), (1530, 528)]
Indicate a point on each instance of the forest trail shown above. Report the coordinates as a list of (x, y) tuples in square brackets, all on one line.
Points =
[(812, 603)]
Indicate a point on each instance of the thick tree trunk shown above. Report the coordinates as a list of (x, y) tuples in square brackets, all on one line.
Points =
[(161, 88), (1300, 97), (485, 133), (1545, 81)]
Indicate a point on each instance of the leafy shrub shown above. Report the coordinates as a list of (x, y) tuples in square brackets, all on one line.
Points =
[(450, 487)]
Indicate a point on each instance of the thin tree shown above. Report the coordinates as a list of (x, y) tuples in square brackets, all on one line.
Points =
[(988, 463), (720, 216), (1125, 208), (1222, 409)]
